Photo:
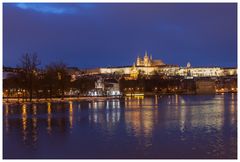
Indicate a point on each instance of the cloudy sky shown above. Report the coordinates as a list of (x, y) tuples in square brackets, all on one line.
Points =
[(95, 35)]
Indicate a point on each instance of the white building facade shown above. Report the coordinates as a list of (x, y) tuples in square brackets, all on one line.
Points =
[(148, 66)]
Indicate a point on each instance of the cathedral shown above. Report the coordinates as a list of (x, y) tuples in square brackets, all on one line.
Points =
[(148, 61)]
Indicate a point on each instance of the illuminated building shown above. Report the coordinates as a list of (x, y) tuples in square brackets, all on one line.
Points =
[(148, 66), (99, 88), (148, 61), (134, 72), (112, 87), (107, 87)]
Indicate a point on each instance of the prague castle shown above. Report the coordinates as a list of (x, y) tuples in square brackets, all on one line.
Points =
[(148, 66), (148, 61)]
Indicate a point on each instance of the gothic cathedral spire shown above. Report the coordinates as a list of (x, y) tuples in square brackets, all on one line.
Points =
[(146, 53)]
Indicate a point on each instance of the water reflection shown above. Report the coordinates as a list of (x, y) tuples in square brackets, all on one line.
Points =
[(147, 123), (107, 113), (156, 101), (24, 121), (140, 115), (182, 112), (233, 110), (6, 117), (113, 115), (49, 116), (209, 114), (71, 114), (34, 124)]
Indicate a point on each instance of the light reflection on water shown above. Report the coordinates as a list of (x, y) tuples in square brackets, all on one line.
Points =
[(49, 117), (174, 126)]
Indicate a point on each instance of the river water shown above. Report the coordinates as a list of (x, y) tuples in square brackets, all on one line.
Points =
[(163, 127)]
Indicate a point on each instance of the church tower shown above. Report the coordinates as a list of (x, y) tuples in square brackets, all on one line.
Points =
[(146, 59), (139, 61)]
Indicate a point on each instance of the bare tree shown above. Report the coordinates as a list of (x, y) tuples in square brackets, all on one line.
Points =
[(28, 64)]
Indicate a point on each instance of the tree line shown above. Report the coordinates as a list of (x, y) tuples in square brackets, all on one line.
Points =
[(52, 81)]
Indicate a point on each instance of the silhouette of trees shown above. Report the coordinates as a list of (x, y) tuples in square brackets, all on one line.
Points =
[(11, 84), (49, 81), (83, 84), (57, 79), (31, 82), (29, 63)]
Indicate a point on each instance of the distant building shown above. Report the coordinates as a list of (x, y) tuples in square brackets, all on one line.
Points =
[(148, 66), (74, 72), (205, 86), (108, 87), (99, 88), (112, 87), (99, 84), (9, 71), (134, 72), (148, 61)]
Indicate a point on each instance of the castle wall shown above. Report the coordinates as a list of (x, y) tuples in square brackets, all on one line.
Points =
[(123, 70)]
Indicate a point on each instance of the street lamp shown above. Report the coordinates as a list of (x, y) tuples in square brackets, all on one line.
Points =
[(18, 93), (23, 95), (7, 94)]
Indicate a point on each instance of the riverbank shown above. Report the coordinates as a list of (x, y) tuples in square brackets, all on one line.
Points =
[(91, 98), (66, 99)]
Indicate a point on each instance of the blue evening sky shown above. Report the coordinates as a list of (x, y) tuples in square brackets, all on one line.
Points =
[(103, 34)]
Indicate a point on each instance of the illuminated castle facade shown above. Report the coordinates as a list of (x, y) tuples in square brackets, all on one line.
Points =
[(148, 61), (148, 66)]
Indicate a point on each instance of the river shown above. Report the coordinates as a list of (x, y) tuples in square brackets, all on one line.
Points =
[(162, 127)]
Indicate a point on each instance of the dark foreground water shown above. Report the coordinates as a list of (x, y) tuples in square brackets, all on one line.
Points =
[(175, 126)]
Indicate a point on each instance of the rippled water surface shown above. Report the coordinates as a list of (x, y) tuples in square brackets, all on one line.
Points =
[(174, 126)]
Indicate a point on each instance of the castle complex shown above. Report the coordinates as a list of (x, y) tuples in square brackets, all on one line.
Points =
[(148, 66), (148, 61)]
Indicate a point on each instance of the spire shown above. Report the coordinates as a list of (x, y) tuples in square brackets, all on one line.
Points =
[(151, 57), (146, 53)]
